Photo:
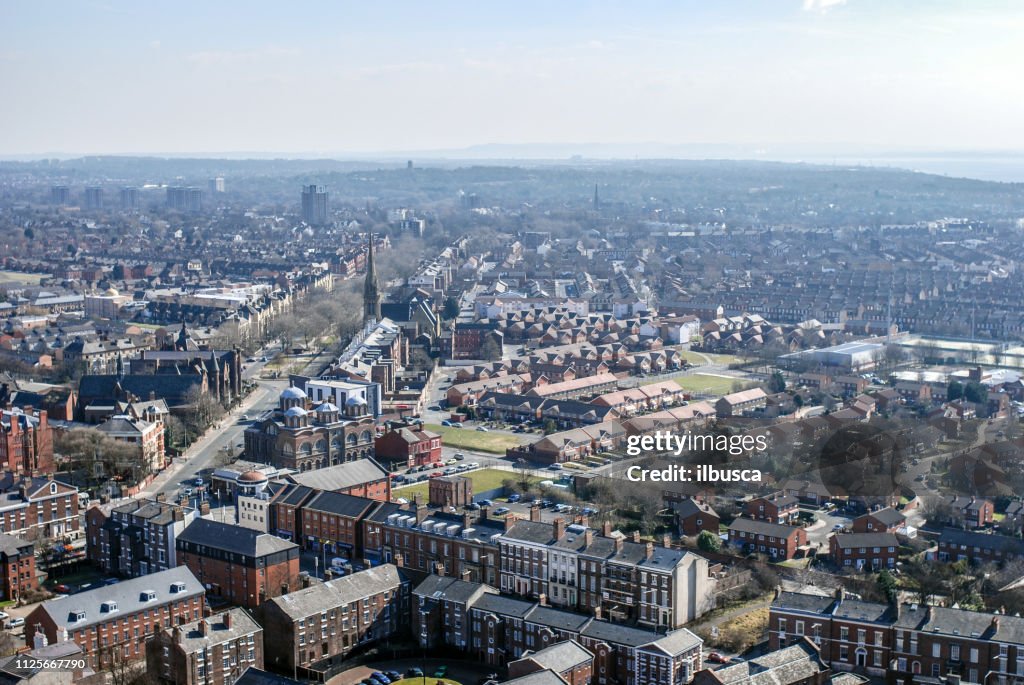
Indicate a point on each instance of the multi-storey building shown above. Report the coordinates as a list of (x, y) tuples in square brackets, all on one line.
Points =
[(903, 641), (573, 664), (214, 650), (864, 550), (574, 567), (407, 446), (146, 436), (136, 538), (777, 541), (314, 205), (956, 545), (26, 441), (314, 626), (886, 520), (359, 478), (427, 539), (295, 437), (499, 629), (778, 508), (239, 565), (17, 568), (331, 523), (37, 506), (112, 623)]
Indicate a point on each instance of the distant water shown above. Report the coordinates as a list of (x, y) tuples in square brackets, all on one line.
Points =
[(1008, 169)]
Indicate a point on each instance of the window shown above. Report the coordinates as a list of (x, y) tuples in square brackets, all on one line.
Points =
[(844, 653), (936, 650)]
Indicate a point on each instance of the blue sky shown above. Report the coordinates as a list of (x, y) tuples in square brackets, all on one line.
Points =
[(334, 77)]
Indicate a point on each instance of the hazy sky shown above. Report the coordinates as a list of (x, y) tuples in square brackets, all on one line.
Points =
[(94, 77)]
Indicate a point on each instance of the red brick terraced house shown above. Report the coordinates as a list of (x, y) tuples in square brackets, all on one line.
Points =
[(776, 541), (862, 551)]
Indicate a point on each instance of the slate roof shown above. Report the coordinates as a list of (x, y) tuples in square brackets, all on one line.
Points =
[(798, 601), (341, 591), (557, 618), (449, 589), (127, 594), (762, 527), (677, 642), (960, 622), (505, 606), (256, 676), (192, 638), (543, 677), (561, 656), (231, 538), (971, 539), (342, 476), (866, 540), (337, 503), (799, 662), (888, 516)]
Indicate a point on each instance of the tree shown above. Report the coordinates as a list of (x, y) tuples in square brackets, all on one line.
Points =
[(708, 541), (954, 391), (550, 426), (451, 308), (976, 392), (490, 349), (777, 383), (887, 585)]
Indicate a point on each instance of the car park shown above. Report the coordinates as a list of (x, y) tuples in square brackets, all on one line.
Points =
[(450, 462)]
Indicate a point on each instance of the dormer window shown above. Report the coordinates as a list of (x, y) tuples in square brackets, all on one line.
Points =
[(53, 488), (108, 607), (78, 616), (147, 596), (177, 587)]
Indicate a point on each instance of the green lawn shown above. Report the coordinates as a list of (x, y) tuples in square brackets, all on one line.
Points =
[(714, 385), (483, 480), (472, 439), (702, 357), (20, 277)]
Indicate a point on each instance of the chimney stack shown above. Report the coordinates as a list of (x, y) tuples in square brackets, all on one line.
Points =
[(649, 551), (619, 542), (559, 528), (510, 520), (666, 541), (177, 635), (535, 513), (635, 536), (588, 537), (421, 514), (597, 612), (542, 599), (204, 627), (606, 529), (227, 619)]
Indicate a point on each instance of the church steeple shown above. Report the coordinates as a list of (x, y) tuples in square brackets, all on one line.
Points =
[(371, 288)]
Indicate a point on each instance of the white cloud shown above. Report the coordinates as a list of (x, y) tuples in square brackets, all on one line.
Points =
[(821, 5)]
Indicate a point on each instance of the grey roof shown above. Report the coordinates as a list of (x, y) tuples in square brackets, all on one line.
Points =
[(691, 506), (797, 663), (11, 546), (859, 610), (557, 618), (335, 593), (852, 540), (677, 642), (561, 656), (129, 597), (972, 539), (889, 516), (799, 601), (342, 476), (232, 538), (544, 677), (504, 606), (616, 633), (192, 638), (961, 622), (450, 589), (762, 527), (337, 503)]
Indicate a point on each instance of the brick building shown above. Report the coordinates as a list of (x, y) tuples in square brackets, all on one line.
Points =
[(862, 551), (331, 523), (569, 660), (214, 650), (239, 565), (316, 627), (776, 541), (440, 610), (17, 568), (797, 664), (37, 507), (694, 517), (147, 437), (406, 446), (26, 441), (981, 548), (136, 538), (113, 622), (906, 642), (971, 512), (886, 520), (361, 478), (576, 567), (777, 508)]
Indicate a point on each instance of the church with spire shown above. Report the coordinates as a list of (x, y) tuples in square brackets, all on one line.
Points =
[(371, 288)]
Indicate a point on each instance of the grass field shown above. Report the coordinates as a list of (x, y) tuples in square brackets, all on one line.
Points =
[(703, 357), (472, 439), (712, 385), (21, 277), (483, 480)]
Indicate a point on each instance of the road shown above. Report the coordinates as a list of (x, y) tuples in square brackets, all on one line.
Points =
[(205, 452)]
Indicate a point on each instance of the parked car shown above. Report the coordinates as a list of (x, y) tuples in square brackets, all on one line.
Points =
[(436, 474), (449, 462), (515, 497), (447, 423), (394, 675), (15, 622), (716, 658), (111, 581), (472, 506), (838, 527), (473, 465), (555, 467), (500, 511), (440, 671), (414, 673), (459, 456), (482, 429), (486, 503)]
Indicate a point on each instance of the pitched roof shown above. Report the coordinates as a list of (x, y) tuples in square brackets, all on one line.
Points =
[(192, 638), (342, 476), (128, 595), (231, 538), (561, 656), (852, 540), (341, 591)]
